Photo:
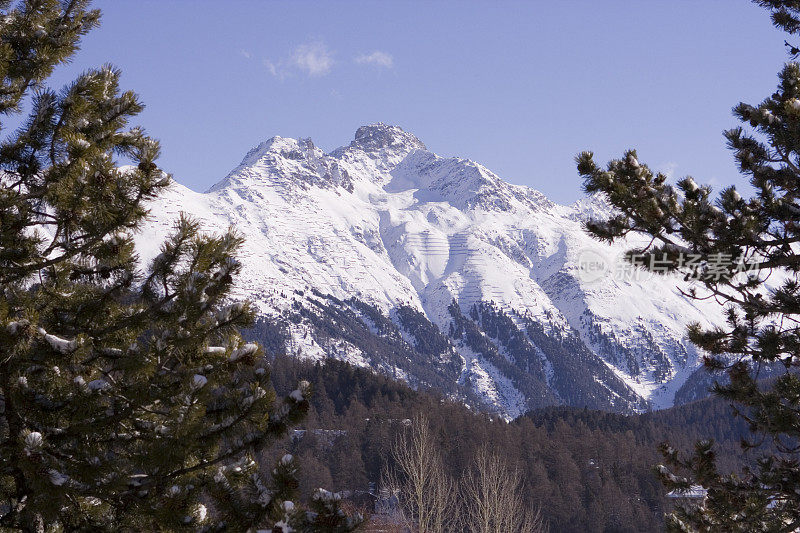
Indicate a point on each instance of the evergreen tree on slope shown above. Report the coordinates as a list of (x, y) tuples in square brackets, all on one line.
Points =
[(760, 234), (128, 400)]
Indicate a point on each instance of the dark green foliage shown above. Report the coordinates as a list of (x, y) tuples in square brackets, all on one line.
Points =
[(759, 235), (428, 340), (574, 363), (37, 37), (271, 335), (548, 366), (363, 326), (703, 381), (525, 370), (128, 399), (570, 378), (628, 357)]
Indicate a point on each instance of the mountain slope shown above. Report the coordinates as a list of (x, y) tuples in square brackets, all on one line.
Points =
[(383, 228)]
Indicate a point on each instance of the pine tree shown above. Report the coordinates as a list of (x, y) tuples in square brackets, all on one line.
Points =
[(128, 399), (747, 252)]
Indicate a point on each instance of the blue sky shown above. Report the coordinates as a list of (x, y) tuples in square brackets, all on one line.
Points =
[(519, 87)]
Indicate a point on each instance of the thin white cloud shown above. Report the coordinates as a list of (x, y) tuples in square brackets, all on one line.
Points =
[(313, 58), (376, 58), (669, 169), (272, 68), (245, 53)]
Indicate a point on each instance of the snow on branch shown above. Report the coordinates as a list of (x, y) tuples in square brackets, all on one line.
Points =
[(215, 350), (248, 349), (60, 344)]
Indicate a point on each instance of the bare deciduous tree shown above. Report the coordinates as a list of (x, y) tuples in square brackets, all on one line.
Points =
[(492, 498), (487, 499), (427, 494)]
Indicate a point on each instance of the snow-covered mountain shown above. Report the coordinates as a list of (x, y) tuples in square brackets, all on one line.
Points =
[(439, 272)]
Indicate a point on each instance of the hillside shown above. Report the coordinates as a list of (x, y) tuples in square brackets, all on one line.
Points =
[(588, 471)]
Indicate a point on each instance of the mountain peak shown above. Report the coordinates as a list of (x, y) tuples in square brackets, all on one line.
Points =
[(280, 146), (384, 222), (379, 136)]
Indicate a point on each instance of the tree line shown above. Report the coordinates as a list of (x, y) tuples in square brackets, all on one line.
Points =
[(585, 470)]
